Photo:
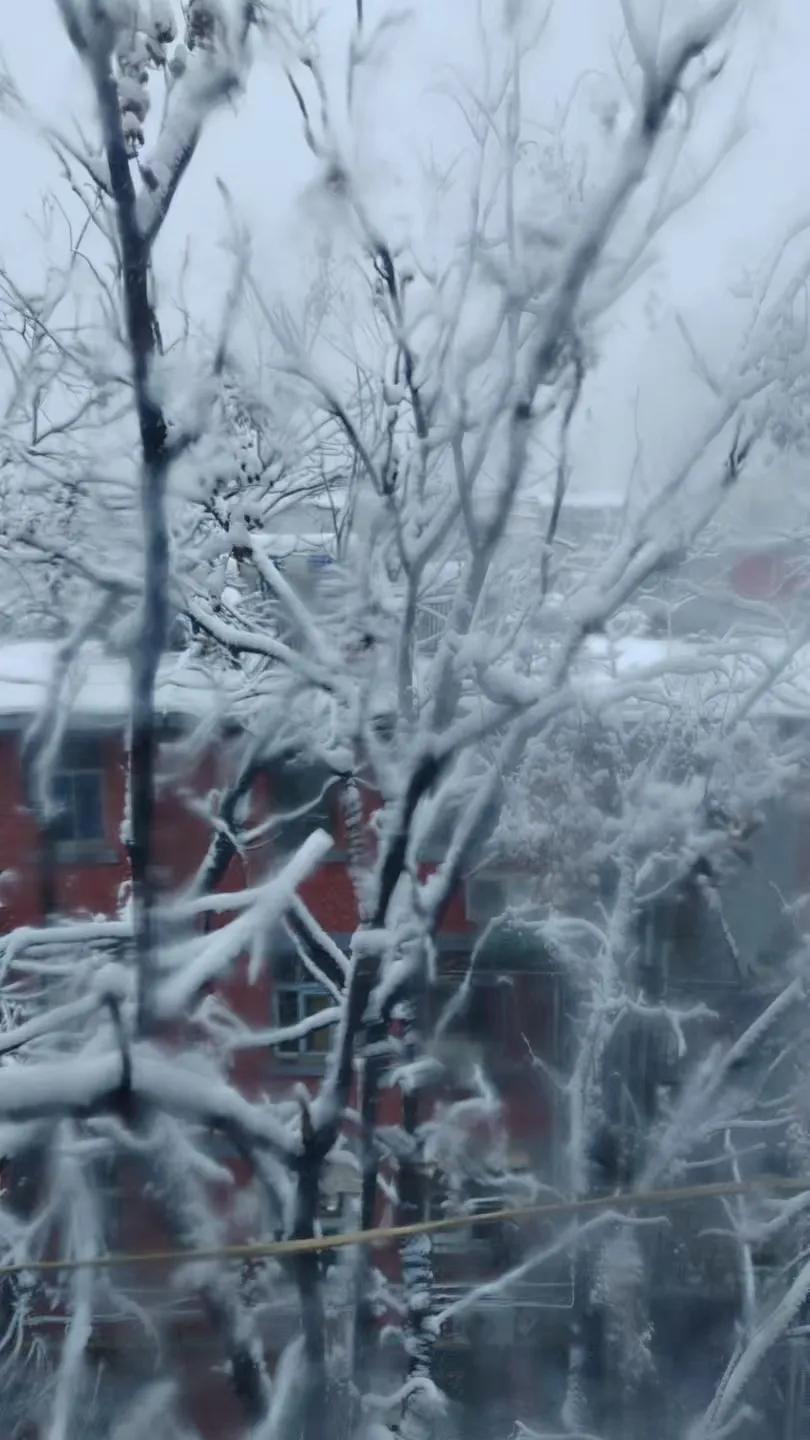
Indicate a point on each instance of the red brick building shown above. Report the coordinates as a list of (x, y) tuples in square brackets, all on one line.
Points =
[(88, 877), (517, 1004)]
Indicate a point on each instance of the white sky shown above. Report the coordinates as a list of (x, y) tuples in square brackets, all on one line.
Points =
[(259, 150)]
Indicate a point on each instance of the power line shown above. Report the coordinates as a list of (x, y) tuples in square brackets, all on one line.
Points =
[(549, 1210)]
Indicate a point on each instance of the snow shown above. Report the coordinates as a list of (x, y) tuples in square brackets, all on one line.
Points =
[(213, 957), (59, 1087), (102, 687), (190, 1088), (711, 673), (113, 981), (49, 1022), (283, 1034), (323, 689), (102, 690), (285, 545)]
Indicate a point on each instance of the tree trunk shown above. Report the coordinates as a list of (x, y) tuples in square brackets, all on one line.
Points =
[(315, 1421)]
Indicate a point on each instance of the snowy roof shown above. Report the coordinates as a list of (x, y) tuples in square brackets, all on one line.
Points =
[(99, 692), (672, 671)]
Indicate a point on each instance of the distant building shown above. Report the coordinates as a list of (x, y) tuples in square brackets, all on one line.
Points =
[(519, 1004)]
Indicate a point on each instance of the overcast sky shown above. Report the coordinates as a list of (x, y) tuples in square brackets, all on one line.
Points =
[(259, 149)]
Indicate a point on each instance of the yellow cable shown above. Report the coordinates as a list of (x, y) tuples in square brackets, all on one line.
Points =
[(258, 1249)]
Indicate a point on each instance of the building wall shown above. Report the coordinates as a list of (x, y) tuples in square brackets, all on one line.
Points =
[(83, 886), (94, 884)]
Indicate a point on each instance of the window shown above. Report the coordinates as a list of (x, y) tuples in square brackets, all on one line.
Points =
[(78, 793), (431, 619), (488, 893), (495, 1239), (303, 801), (296, 997)]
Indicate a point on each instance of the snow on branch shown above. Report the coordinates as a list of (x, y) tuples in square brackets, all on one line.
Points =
[(219, 951)]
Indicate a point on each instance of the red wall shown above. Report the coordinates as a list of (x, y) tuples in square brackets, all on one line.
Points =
[(181, 838), (81, 887)]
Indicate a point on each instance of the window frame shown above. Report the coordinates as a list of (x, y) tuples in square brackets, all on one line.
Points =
[(301, 1051), (298, 815), (81, 757)]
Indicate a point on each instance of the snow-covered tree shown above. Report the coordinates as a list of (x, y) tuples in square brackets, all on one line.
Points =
[(344, 516)]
